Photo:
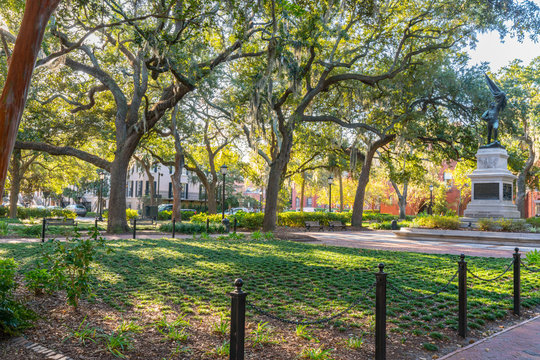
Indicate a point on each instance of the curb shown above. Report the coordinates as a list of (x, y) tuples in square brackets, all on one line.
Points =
[(456, 352), (48, 353)]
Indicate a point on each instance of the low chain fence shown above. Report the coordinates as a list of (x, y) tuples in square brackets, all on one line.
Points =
[(239, 303)]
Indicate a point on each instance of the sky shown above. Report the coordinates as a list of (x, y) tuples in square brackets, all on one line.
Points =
[(499, 53)]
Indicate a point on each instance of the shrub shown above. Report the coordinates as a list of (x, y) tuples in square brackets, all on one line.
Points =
[(167, 215), (534, 221), (201, 217), (505, 225), (437, 222), (13, 315), (40, 280), (193, 228), (4, 210), (387, 225), (69, 264), (130, 214), (26, 213)]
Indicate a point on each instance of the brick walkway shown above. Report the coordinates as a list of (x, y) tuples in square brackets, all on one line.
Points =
[(521, 342)]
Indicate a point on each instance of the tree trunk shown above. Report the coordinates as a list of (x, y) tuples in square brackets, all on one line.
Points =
[(522, 178), (117, 222), (358, 207), (275, 179), (212, 201), (340, 191), (302, 191), (177, 186), (15, 171), (27, 46)]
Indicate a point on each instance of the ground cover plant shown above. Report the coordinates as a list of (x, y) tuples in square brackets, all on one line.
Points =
[(177, 290)]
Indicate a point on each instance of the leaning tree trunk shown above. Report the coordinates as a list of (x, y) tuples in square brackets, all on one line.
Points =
[(13, 98), (15, 183), (275, 179), (358, 206), (522, 178)]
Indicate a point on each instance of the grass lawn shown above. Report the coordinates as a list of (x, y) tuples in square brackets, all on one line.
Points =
[(148, 280)]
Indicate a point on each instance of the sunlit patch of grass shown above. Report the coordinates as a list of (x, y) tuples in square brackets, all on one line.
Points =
[(296, 281)]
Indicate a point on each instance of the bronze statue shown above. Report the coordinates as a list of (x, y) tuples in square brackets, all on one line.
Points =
[(491, 115)]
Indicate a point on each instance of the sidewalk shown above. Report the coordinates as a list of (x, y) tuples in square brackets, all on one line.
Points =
[(521, 341)]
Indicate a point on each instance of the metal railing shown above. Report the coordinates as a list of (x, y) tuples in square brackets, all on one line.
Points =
[(239, 303)]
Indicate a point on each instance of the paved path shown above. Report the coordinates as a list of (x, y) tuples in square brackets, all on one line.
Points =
[(379, 240), (521, 342), (386, 240)]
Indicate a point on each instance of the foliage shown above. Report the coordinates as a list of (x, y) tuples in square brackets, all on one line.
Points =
[(13, 315), (167, 215), (316, 354), (4, 210), (305, 281), (27, 213), (437, 222), (387, 225), (40, 280), (534, 221), (505, 225), (440, 204), (533, 257), (193, 228), (69, 264), (130, 214)]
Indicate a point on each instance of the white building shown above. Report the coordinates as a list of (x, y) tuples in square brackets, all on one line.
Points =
[(138, 186)]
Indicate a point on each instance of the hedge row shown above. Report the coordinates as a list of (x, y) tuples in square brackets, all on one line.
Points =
[(294, 219), (193, 228), (437, 222), (27, 213), (167, 215)]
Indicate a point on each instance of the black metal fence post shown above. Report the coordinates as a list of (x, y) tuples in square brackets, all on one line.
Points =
[(380, 314), (43, 229), (238, 321), (234, 224), (462, 317), (517, 282), (173, 227), (134, 228), (207, 225)]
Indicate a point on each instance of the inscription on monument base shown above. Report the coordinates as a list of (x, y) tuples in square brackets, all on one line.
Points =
[(486, 191)]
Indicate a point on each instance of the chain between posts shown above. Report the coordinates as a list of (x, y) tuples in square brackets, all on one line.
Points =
[(312, 322), (409, 298), (528, 268), (492, 279)]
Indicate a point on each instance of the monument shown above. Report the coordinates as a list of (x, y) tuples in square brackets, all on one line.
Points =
[(492, 187)]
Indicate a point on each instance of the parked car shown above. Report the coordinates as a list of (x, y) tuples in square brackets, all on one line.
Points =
[(79, 209), (235, 210), (168, 207)]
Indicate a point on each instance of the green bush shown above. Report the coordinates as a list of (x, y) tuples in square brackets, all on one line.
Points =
[(201, 217), (4, 211), (437, 222), (27, 213), (534, 221), (505, 225), (13, 315), (69, 263), (167, 215), (387, 225), (40, 280), (130, 214), (193, 228)]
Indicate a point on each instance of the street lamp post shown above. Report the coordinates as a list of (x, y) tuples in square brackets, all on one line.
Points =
[(430, 199), (100, 199), (330, 181), (223, 172)]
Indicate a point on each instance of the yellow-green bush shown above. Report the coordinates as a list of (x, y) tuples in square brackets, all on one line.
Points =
[(437, 222), (130, 214), (505, 225)]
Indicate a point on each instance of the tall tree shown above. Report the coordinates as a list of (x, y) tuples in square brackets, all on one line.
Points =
[(21, 66)]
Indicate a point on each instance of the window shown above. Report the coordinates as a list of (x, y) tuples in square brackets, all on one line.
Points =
[(130, 189), (297, 202), (170, 191), (170, 169), (185, 191), (147, 188), (309, 202)]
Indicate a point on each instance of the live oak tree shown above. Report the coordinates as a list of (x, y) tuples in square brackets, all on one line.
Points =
[(314, 48), (146, 56)]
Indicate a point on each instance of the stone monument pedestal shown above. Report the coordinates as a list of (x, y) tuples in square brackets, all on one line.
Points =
[(492, 186)]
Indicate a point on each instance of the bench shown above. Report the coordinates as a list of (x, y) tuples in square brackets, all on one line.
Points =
[(313, 224), (136, 222), (336, 225), (55, 222)]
